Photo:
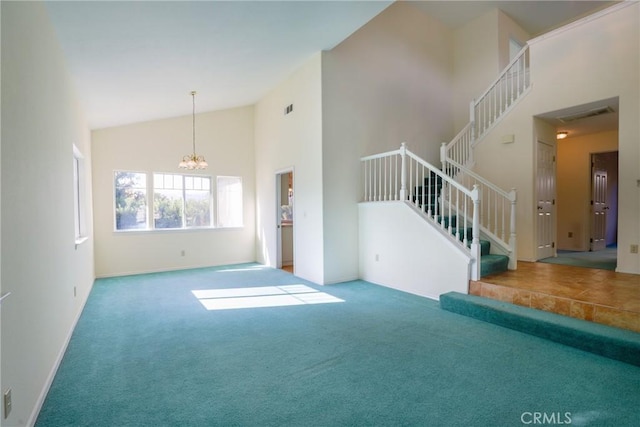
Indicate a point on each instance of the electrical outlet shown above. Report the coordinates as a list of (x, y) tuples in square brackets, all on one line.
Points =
[(377, 257), (634, 249), (7, 402), (182, 253)]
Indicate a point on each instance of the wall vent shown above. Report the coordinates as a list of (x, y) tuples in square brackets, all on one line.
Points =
[(584, 114)]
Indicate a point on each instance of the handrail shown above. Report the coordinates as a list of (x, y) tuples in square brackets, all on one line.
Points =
[(506, 194), (505, 71), (400, 175), (460, 147), (441, 174), (381, 155)]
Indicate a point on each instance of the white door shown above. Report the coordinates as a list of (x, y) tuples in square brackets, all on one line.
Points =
[(599, 208), (545, 206)]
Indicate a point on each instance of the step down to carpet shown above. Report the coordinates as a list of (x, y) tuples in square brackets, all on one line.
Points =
[(614, 343)]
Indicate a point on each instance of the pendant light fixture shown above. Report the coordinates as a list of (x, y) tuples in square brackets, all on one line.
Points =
[(193, 161)]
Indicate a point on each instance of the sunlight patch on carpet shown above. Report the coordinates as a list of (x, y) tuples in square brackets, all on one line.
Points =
[(263, 296)]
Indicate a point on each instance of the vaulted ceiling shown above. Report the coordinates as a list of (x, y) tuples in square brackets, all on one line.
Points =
[(138, 61)]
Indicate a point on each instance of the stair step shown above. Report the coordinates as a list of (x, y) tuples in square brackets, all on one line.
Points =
[(485, 247), (492, 264), (607, 341), (489, 263), (421, 198), (463, 231), (433, 181), (446, 219)]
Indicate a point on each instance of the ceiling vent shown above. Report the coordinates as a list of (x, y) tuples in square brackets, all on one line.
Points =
[(584, 114)]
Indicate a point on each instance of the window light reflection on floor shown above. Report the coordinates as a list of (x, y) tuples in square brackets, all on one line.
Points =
[(263, 296)]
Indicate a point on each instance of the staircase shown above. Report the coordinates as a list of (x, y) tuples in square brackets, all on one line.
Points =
[(427, 196), (454, 199)]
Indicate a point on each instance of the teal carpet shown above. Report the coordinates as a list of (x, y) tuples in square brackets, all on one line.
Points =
[(147, 353), (606, 259)]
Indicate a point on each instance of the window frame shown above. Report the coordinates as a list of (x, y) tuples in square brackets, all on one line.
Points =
[(184, 201), (113, 202), (150, 203), (81, 233), (241, 201)]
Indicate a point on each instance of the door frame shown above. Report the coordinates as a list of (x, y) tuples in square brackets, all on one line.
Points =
[(592, 168), (279, 174)]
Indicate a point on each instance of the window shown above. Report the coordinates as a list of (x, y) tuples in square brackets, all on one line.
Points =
[(79, 196), (130, 200), (181, 201), (197, 201), (167, 201), (230, 201)]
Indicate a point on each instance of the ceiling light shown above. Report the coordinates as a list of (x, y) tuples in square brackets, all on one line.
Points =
[(193, 161), (562, 134)]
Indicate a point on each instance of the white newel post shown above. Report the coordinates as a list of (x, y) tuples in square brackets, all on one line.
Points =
[(513, 259), (403, 171), (475, 242), (443, 157)]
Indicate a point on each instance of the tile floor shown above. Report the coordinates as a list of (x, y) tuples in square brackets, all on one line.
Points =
[(600, 296)]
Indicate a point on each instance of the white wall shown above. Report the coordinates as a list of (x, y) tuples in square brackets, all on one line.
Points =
[(476, 63), (388, 83), (508, 29), (225, 138), (400, 250), (292, 141), (597, 59), (41, 265)]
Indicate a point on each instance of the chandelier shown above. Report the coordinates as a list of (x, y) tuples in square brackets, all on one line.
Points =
[(193, 161)]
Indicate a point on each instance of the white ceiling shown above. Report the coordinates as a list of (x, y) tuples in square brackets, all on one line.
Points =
[(535, 17), (134, 61), (580, 127)]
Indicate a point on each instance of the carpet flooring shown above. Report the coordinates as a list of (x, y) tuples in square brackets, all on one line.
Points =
[(606, 259), (146, 352)]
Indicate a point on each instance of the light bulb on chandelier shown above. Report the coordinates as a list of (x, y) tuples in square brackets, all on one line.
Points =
[(193, 161)]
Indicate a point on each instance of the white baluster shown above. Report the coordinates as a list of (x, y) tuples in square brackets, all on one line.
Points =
[(403, 171)]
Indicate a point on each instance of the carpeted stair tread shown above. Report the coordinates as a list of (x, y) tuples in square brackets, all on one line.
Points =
[(446, 220), (485, 247), (611, 342), (493, 263)]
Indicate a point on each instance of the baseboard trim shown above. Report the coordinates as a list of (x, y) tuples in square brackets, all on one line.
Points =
[(54, 370)]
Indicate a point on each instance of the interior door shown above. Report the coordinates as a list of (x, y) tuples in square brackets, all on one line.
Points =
[(599, 207), (545, 206)]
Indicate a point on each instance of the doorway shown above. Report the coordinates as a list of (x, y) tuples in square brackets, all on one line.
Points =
[(604, 200), (285, 220)]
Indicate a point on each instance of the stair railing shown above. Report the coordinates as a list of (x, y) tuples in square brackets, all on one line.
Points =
[(501, 95), (497, 212), (495, 102), (449, 205)]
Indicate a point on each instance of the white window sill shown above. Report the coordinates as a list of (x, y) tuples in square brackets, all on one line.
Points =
[(81, 240), (174, 230)]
